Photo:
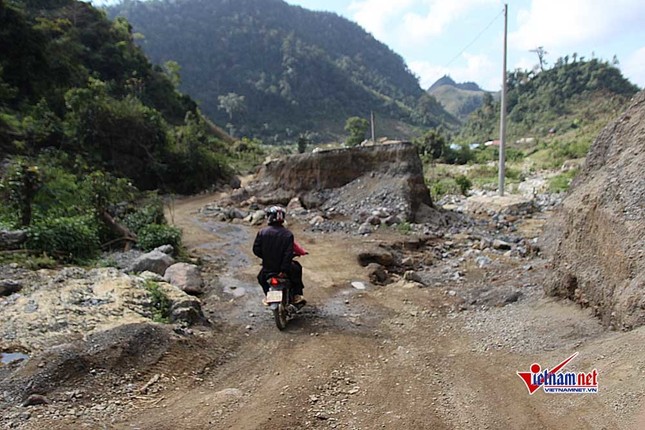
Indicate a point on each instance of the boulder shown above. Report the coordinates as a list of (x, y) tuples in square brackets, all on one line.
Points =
[(392, 220), (295, 205), (365, 228), (373, 220), (166, 249), (257, 217), (317, 220), (186, 277), (501, 245), (9, 286), (11, 239), (376, 255), (377, 274), (154, 261)]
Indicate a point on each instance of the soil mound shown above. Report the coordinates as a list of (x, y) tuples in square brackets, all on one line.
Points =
[(597, 237), (395, 168)]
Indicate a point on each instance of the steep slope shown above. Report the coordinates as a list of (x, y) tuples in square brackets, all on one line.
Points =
[(297, 70), (597, 238), (73, 83)]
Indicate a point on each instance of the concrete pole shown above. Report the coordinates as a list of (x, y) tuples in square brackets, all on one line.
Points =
[(502, 121)]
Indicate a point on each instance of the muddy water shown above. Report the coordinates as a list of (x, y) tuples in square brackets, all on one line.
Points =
[(232, 240), (11, 357)]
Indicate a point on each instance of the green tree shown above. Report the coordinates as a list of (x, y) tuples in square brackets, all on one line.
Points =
[(23, 182), (232, 103), (433, 143), (303, 141), (171, 70), (357, 128)]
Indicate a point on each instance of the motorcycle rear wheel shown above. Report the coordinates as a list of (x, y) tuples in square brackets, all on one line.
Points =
[(280, 316)]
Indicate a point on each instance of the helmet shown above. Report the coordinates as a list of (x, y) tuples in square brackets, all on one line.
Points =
[(275, 214)]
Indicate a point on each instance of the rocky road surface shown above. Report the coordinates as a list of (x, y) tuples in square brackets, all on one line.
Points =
[(439, 354)]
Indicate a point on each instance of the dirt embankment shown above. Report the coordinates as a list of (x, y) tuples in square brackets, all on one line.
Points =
[(397, 168), (597, 237)]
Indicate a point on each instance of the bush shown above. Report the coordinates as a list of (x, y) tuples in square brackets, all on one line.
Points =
[(154, 235), (405, 228), (68, 238), (444, 186), (150, 213), (159, 301), (513, 154), (562, 182), (464, 183)]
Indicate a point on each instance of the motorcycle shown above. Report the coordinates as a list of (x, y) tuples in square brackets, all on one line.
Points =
[(280, 300)]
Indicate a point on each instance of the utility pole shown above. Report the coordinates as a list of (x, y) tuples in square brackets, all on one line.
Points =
[(502, 121), (372, 123)]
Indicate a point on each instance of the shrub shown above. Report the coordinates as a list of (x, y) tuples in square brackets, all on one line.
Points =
[(444, 186), (464, 183), (562, 182), (159, 302), (513, 154), (68, 238), (405, 228), (150, 213), (154, 235)]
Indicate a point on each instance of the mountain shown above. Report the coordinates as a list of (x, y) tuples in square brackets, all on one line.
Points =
[(460, 99), (272, 70), (448, 81)]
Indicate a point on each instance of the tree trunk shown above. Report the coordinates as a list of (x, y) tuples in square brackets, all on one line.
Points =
[(118, 229)]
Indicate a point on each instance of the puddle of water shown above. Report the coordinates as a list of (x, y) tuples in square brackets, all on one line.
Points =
[(11, 357), (233, 238)]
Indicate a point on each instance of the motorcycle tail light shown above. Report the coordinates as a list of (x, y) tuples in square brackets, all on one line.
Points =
[(274, 281)]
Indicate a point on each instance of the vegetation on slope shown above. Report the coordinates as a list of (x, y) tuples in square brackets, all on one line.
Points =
[(85, 120), (573, 95), (273, 71), (553, 116), (461, 99)]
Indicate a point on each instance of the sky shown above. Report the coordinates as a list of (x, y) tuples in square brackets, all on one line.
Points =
[(464, 38)]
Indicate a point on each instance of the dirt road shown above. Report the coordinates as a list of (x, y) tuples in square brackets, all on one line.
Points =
[(385, 357)]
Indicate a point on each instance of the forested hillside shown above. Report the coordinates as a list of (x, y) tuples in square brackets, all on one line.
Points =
[(273, 70), (72, 80), (86, 123), (573, 99)]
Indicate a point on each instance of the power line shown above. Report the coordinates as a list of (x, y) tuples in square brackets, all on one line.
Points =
[(475, 39)]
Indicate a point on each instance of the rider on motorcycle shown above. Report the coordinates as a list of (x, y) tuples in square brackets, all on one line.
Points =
[(274, 244)]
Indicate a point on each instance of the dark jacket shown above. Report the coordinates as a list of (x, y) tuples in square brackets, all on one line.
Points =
[(274, 245)]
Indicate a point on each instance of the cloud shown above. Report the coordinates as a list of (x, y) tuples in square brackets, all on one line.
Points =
[(560, 25), (478, 68), (411, 21), (439, 15), (634, 67), (378, 16)]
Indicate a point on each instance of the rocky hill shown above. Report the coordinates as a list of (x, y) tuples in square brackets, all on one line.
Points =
[(273, 70), (460, 99), (597, 238)]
